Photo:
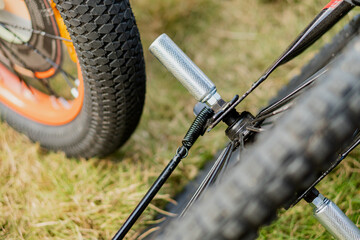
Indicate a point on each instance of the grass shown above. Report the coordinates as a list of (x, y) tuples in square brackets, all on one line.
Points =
[(44, 195)]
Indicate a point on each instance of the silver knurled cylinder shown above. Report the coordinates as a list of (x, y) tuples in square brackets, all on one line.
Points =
[(181, 66), (334, 220)]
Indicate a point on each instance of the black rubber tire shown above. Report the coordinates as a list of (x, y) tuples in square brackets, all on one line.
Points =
[(109, 50), (283, 160), (328, 54)]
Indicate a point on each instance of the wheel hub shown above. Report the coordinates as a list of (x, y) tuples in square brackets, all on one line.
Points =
[(238, 130)]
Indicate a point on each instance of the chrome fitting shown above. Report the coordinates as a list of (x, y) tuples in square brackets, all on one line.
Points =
[(334, 220)]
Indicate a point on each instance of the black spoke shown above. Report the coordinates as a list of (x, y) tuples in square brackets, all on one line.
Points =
[(67, 76), (211, 177), (41, 33), (52, 63), (224, 166), (271, 114), (20, 78), (45, 83), (273, 107), (2, 46), (255, 129)]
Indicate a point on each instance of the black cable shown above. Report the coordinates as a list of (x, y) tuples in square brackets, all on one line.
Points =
[(196, 129)]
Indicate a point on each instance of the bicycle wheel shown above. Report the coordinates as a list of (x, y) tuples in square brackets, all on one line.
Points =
[(327, 54), (283, 160), (72, 73)]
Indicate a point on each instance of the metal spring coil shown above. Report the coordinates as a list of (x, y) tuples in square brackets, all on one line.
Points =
[(197, 127)]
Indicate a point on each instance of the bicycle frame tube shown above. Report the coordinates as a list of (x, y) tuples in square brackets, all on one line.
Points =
[(327, 18)]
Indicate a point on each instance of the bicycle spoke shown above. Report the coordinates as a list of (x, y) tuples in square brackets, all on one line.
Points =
[(284, 103), (45, 83), (12, 53), (41, 33), (271, 114), (52, 63), (37, 51), (241, 147), (255, 129), (12, 65), (210, 178), (20, 77), (74, 91), (64, 73), (273, 107)]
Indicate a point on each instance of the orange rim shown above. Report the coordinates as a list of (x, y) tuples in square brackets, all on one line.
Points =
[(36, 105)]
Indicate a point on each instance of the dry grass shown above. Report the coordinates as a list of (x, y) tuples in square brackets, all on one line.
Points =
[(44, 195)]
